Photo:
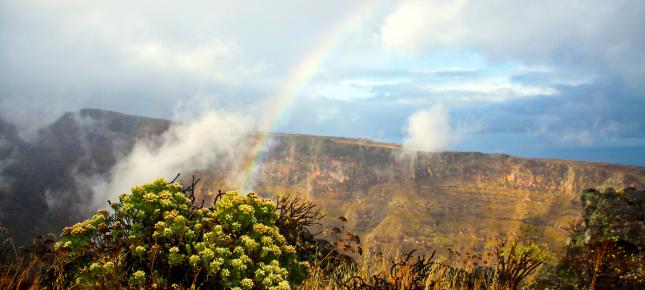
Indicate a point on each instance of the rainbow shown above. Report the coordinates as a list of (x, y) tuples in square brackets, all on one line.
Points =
[(297, 79)]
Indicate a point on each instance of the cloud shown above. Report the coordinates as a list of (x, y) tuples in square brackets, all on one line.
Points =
[(130, 57), (4, 180), (600, 35), (418, 25), (430, 130), (343, 90), (498, 63), (213, 140), (491, 89), (207, 61), (141, 57), (598, 131)]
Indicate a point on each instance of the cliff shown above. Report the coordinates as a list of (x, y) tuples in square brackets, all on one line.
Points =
[(391, 197), (394, 198)]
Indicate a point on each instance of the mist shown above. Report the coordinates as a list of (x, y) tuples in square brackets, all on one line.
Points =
[(214, 139), (430, 130)]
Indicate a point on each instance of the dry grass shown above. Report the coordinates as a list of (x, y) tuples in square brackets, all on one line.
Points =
[(363, 276), (20, 276), (21, 269)]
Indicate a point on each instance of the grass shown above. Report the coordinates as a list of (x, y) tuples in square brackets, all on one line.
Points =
[(81, 257), (374, 271), (20, 275), (370, 271)]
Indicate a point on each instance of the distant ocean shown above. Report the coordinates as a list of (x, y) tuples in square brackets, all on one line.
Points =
[(620, 155)]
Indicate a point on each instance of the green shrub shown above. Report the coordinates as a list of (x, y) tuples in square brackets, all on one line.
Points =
[(157, 237), (605, 250), (517, 259)]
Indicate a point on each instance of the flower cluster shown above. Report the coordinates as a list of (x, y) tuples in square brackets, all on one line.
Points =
[(156, 236)]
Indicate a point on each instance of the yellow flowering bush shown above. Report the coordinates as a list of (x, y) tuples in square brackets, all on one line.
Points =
[(157, 237)]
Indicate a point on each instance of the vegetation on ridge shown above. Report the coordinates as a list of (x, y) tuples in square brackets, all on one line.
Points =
[(157, 236), (160, 237), (605, 249)]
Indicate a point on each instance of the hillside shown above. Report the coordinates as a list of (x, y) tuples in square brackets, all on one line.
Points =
[(40, 189), (390, 197), (434, 200)]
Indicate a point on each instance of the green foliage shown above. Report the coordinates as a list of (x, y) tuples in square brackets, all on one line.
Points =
[(606, 248), (157, 237), (615, 215), (517, 259)]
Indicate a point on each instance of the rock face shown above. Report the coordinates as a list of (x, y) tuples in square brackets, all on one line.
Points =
[(426, 201), (392, 198)]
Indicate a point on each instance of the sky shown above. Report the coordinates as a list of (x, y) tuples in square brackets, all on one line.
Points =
[(556, 79)]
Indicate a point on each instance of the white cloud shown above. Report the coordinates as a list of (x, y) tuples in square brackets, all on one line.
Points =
[(351, 88), (597, 34), (341, 91), (480, 89), (488, 90), (407, 27), (205, 60), (135, 57), (141, 57), (430, 130)]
